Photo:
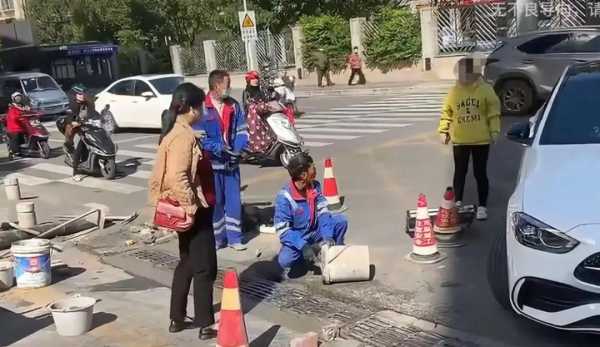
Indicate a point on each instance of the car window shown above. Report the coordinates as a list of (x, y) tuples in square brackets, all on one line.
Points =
[(542, 44), (575, 43), (592, 46), (38, 84), (166, 85), (141, 87), (122, 88), (10, 86), (574, 117)]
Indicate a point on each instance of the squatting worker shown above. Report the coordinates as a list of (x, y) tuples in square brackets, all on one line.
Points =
[(302, 218), (180, 175), (470, 119)]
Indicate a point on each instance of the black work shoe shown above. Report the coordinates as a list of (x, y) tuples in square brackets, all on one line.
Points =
[(207, 334), (177, 326)]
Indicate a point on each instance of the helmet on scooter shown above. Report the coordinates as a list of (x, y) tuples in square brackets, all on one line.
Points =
[(19, 99), (80, 92)]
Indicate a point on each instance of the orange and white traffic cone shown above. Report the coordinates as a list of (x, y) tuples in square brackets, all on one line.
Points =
[(424, 249), (447, 220), (232, 328), (330, 189)]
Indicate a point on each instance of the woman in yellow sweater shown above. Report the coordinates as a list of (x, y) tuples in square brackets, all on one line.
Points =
[(470, 119)]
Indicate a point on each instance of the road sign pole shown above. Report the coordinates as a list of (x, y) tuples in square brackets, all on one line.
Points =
[(245, 6)]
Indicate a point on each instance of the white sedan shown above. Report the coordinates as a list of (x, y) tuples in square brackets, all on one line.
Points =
[(547, 269), (138, 101)]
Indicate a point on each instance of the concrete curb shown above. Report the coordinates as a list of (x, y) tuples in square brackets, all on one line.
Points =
[(374, 91)]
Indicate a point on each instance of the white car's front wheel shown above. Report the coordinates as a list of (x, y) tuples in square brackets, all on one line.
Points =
[(497, 270)]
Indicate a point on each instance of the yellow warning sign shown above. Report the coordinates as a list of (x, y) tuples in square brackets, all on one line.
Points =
[(247, 22)]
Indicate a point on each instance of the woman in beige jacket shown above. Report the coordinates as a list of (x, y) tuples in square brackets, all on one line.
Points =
[(177, 175)]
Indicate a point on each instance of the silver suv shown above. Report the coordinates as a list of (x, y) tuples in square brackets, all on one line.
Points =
[(524, 69)]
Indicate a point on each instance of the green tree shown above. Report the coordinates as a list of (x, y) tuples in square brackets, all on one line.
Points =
[(332, 33), (52, 20)]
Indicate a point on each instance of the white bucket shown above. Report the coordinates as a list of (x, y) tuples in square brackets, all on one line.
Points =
[(73, 316), (32, 263), (345, 264), (11, 188), (7, 274), (26, 214)]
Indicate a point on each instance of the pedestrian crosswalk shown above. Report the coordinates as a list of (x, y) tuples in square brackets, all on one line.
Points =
[(318, 129), (373, 117)]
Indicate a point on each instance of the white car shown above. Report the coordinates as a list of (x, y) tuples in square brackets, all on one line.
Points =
[(138, 101), (547, 269)]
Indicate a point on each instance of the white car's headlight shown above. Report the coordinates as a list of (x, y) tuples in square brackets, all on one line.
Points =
[(533, 233)]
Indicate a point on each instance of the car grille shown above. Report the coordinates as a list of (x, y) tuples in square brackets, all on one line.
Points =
[(588, 271), (550, 296)]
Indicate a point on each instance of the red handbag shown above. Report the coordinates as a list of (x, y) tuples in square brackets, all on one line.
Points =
[(170, 215)]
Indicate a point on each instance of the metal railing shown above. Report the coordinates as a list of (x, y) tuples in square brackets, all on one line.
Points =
[(563, 14), (275, 49), (193, 61), (231, 55)]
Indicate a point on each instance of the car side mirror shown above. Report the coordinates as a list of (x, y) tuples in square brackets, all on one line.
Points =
[(519, 133), (148, 95)]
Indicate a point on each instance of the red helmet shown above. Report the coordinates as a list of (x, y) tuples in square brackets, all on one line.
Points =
[(251, 75)]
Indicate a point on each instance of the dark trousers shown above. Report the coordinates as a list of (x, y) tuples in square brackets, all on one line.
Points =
[(462, 155), (14, 142), (361, 76), (198, 262), (79, 152), (323, 73)]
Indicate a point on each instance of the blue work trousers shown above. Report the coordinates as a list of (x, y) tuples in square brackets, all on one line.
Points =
[(227, 217)]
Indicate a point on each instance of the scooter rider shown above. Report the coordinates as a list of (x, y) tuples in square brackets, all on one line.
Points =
[(80, 108), (224, 123), (14, 128), (253, 91)]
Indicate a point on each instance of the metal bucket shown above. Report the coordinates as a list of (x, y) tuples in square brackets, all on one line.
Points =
[(73, 316), (345, 264)]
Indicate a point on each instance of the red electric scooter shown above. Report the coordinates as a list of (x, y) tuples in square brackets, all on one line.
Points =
[(35, 136)]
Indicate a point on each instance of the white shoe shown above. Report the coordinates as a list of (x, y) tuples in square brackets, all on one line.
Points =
[(78, 178), (482, 213), (238, 247), (459, 204)]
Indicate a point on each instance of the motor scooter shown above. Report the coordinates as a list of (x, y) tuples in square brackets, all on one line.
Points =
[(35, 136), (99, 154)]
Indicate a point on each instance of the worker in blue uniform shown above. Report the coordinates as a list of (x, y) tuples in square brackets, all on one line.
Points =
[(302, 218), (226, 136)]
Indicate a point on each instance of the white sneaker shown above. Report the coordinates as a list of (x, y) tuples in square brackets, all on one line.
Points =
[(482, 213), (238, 247), (78, 178)]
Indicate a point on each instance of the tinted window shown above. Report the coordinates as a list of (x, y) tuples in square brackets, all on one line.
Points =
[(38, 84), (575, 43), (542, 44), (122, 88), (167, 85), (574, 116), (141, 87), (11, 86)]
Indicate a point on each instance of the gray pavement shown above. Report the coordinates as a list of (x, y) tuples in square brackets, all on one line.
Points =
[(385, 152)]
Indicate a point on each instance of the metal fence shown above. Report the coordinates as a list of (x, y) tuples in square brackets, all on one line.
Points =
[(466, 28), (192, 60), (231, 55), (275, 49), (561, 14)]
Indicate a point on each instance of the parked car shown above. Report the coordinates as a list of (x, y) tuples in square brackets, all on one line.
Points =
[(524, 69), (138, 101), (47, 97), (546, 265)]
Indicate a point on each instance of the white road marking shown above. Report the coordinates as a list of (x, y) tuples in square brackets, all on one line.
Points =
[(148, 146), (29, 180), (317, 144), (339, 130), (53, 168), (12, 162), (323, 116), (375, 125), (95, 183), (135, 139), (141, 174), (136, 154), (329, 137)]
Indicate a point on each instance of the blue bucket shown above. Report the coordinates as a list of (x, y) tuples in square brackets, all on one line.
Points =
[(32, 263)]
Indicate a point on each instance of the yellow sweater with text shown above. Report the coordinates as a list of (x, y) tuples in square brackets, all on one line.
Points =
[(471, 114)]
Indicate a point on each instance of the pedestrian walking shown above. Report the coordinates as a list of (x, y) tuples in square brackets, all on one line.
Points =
[(226, 130), (323, 65), (354, 62), (181, 174), (470, 119)]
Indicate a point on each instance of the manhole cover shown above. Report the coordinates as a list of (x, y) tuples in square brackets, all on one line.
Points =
[(156, 257)]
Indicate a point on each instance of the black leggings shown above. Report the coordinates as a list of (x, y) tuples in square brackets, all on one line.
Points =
[(14, 142), (198, 262), (462, 155)]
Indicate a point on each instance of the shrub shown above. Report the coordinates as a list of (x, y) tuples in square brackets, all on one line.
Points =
[(393, 40), (332, 33)]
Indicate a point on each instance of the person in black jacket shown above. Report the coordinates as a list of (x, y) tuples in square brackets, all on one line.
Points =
[(80, 108)]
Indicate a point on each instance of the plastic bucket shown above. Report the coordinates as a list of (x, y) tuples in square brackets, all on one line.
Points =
[(26, 214), (7, 275), (73, 316), (11, 187), (32, 263)]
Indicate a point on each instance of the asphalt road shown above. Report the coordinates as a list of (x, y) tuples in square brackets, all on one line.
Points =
[(385, 152)]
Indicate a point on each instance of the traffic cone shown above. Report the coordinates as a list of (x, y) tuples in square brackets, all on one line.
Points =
[(330, 190), (425, 249), (447, 220), (232, 328), (447, 227)]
